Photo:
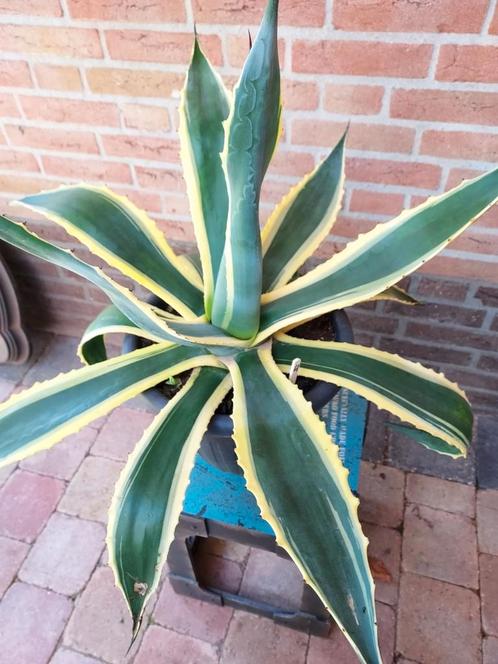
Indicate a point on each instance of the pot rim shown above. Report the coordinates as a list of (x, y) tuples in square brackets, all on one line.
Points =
[(221, 425)]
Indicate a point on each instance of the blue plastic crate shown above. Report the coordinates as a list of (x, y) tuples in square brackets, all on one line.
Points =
[(213, 494)]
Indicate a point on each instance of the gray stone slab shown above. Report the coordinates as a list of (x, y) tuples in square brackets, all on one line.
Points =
[(376, 436), (38, 340), (487, 452), (409, 455), (59, 356)]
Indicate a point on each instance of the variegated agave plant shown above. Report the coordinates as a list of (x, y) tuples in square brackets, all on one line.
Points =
[(231, 326)]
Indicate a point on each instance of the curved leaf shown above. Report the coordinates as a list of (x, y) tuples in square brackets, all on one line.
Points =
[(302, 219), (422, 437), (396, 294), (204, 107), (420, 396), (153, 322), (140, 313), (199, 331), (110, 320), (126, 238), (380, 258), (293, 469), (195, 260), (250, 138), (149, 495), (42, 415)]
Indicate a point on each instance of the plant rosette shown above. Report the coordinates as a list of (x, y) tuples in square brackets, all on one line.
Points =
[(217, 446), (234, 312)]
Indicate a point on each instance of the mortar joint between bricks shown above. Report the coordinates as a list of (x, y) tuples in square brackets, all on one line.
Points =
[(492, 9)]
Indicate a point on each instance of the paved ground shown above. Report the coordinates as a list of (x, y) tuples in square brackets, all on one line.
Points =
[(433, 549)]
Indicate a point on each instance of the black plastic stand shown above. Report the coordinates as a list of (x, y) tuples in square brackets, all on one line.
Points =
[(312, 617)]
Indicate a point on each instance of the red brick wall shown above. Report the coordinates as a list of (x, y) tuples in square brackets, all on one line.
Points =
[(89, 90)]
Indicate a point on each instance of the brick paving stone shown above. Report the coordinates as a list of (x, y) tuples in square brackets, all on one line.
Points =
[(487, 521), (487, 452), (64, 555), (90, 491), (142, 402), (65, 656), (31, 622), (272, 579), (98, 423), (488, 566), (63, 459), (121, 432), (219, 572), (381, 495), (59, 356), (26, 503), (490, 650), (384, 554), (438, 622), (163, 645), (440, 545), (224, 549), (337, 649), (374, 445), (253, 639), (100, 625), (12, 553), (201, 620), (441, 494)]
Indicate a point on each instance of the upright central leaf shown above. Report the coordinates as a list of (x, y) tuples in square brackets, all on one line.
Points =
[(250, 136), (203, 109)]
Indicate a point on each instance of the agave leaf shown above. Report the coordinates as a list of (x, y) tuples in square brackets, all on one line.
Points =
[(302, 219), (149, 495), (126, 238), (195, 260), (81, 396), (420, 396), (293, 469), (190, 332), (154, 323), (140, 313), (396, 294), (380, 258), (250, 137), (199, 331), (110, 320), (203, 109), (424, 438)]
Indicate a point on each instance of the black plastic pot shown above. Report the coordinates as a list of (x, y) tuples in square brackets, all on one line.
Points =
[(217, 446)]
